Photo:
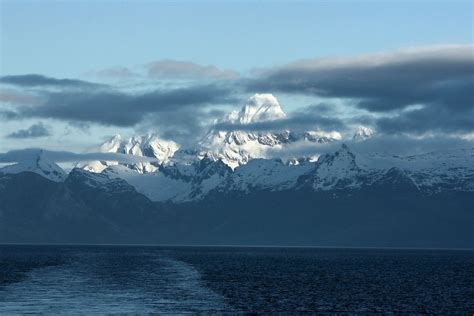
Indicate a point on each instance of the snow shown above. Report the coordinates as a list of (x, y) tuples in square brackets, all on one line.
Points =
[(142, 146), (39, 164), (333, 169), (176, 182), (269, 174), (95, 166), (362, 133), (260, 108), (427, 170), (156, 186), (236, 148), (239, 160), (113, 145), (184, 178), (317, 136)]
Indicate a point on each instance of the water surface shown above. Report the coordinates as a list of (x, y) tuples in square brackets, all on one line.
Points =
[(122, 279)]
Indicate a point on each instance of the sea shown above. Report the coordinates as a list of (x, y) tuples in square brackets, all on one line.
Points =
[(87, 280)]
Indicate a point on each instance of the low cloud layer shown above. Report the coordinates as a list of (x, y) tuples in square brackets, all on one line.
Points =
[(398, 145), (438, 80), (307, 119), (112, 107), (34, 131), (34, 80), (181, 109), (415, 92), (390, 145), (28, 154)]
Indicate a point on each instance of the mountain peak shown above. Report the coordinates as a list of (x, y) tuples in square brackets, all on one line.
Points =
[(259, 108), (38, 163), (149, 145), (342, 158), (112, 145), (337, 170), (236, 147), (363, 133)]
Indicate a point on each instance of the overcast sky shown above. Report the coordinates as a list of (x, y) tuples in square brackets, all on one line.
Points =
[(73, 73)]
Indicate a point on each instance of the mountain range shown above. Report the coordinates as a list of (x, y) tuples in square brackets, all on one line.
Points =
[(232, 189)]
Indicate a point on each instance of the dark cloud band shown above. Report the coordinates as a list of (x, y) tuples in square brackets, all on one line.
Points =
[(28, 154), (439, 80), (112, 107), (34, 80), (418, 91), (34, 131), (309, 118)]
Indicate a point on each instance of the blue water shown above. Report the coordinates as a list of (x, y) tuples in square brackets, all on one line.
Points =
[(100, 279)]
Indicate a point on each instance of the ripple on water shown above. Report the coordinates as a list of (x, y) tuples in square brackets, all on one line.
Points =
[(98, 283)]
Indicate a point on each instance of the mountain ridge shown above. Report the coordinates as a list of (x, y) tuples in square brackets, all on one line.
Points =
[(234, 147), (183, 180), (265, 202)]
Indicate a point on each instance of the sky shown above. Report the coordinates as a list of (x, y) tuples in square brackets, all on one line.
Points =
[(76, 72)]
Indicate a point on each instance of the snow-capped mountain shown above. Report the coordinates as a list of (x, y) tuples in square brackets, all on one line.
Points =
[(236, 148), (335, 171), (268, 174), (434, 171), (39, 164), (258, 108), (363, 133), (238, 161), (98, 181), (178, 181), (345, 198), (182, 177), (142, 146)]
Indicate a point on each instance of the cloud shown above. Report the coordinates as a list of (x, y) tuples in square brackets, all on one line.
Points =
[(28, 154), (439, 80), (34, 131), (173, 69), (315, 117), (408, 145), (34, 80), (113, 107), (178, 111), (115, 72), (13, 96), (400, 145), (418, 91), (9, 115), (429, 119)]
